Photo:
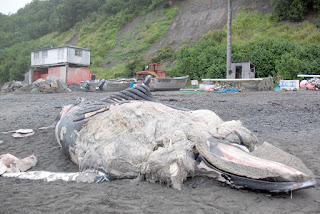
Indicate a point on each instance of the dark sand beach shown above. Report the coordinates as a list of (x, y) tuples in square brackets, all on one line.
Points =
[(289, 120)]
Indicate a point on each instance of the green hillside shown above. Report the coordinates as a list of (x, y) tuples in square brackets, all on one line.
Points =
[(275, 48), (121, 33)]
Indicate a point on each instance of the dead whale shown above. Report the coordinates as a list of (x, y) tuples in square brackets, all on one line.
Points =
[(131, 135)]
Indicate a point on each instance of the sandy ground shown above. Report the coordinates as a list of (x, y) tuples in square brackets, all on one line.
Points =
[(289, 120)]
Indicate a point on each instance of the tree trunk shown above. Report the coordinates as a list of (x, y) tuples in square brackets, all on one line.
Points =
[(229, 37)]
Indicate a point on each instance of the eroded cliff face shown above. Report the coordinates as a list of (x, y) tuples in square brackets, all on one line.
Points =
[(197, 17)]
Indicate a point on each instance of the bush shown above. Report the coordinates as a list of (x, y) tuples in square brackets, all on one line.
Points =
[(97, 61), (317, 23), (133, 66), (294, 10), (289, 66), (165, 53), (271, 57)]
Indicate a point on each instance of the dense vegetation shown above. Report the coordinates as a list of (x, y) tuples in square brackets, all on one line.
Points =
[(14, 61), (294, 10), (42, 17), (97, 22), (275, 48)]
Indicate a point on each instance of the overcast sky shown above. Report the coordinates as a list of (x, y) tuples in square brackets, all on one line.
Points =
[(12, 6)]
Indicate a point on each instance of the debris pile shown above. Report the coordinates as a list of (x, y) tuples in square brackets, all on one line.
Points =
[(74, 87), (267, 84), (315, 82), (219, 87), (311, 84), (49, 86), (38, 86), (12, 86)]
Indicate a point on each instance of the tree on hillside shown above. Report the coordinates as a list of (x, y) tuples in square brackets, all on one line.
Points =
[(294, 10), (70, 12)]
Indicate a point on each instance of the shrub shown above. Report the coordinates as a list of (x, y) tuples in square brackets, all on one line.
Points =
[(289, 66), (165, 53), (294, 10), (133, 66)]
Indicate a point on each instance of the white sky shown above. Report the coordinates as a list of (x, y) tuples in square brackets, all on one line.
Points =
[(12, 6)]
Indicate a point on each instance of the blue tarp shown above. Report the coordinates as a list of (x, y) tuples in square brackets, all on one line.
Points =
[(227, 90)]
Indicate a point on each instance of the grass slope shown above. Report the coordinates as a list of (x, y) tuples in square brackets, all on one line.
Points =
[(118, 53)]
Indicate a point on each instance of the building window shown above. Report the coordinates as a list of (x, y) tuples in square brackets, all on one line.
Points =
[(44, 54), (78, 52), (36, 55)]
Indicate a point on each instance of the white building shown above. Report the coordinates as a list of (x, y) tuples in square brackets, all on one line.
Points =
[(61, 55), (69, 64)]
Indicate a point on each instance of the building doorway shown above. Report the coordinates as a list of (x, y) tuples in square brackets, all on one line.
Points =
[(238, 72)]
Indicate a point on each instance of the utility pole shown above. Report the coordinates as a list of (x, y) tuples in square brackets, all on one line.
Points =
[(229, 37)]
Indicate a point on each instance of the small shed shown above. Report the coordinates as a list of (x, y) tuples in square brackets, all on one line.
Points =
[(68, 63), (241, 70)]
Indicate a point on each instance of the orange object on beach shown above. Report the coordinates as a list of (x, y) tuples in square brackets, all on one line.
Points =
[(309, 86)]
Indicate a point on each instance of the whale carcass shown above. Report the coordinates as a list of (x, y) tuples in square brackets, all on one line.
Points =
[(131, 135)]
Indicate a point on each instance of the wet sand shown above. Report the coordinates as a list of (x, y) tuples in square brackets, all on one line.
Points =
[(288, 120)]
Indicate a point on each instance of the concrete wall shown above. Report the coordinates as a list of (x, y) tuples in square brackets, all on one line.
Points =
[(52, 56), (28, 76), (69, 75), (61, 55), (79, 60), (39, 74), (76, 75), (57, 73)]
